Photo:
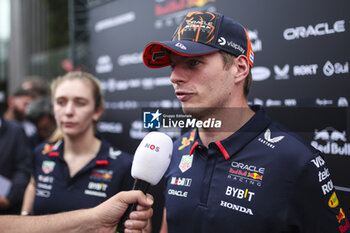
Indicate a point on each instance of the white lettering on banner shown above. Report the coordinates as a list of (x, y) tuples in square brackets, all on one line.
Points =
[(305, 70), (177, 193), (260, 73), (130, 59), (323, 102), (319, 30), (336, 141), (329, 69), (318, 161), (332, 148), (104, 64), (271, 102), (115, 21), (239, 193), (326, 188), (254, 40), (290, 102), (110, 127), (236, 207), (113, 85)]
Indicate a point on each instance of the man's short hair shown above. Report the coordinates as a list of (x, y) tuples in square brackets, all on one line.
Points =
[(228, 61)]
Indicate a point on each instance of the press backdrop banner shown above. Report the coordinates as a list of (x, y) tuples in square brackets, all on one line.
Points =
[(301, 68)]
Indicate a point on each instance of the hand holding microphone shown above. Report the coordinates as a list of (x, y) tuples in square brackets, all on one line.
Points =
[(151, 160)]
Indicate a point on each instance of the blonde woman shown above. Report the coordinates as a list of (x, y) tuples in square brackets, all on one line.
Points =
[(79, 169)]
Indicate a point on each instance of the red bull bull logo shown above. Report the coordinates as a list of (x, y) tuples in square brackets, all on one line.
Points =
[(341, 215), (334, 141), (255, 176), (47, 148)]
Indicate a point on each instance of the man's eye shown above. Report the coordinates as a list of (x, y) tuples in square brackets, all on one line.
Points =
[(193, 62)]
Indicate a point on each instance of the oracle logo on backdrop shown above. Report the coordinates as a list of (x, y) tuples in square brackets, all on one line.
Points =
[(317, 30)]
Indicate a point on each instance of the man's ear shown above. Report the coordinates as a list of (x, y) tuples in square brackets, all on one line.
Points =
[(242, 67)]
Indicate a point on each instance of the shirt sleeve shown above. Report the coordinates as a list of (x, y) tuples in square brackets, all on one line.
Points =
[(315, 206)]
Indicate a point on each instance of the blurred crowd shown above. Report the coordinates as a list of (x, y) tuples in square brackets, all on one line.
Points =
[(27, 122)]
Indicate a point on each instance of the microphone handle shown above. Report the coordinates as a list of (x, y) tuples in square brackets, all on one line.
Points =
[(138, 185)]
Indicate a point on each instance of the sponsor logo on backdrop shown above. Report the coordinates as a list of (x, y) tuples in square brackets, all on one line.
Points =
[(343, 102), (323, 102), (304, 70), (330, 68), (273, 103), (258, 101), (331, 141), (260, 73), (104, 64), (290, 102), (110, 127), (320, 29), (169, 13), (115, 21), (281, 73), (113, 85), (130, 59), (254, 40)]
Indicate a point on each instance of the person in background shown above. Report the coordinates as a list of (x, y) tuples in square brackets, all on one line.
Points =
[(250, 174), (102, 218), (40, 113), (15, 166), (37, 85), (78, 169), (16, 107)]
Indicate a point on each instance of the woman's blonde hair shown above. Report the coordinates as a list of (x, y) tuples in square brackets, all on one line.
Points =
[(84, 76)]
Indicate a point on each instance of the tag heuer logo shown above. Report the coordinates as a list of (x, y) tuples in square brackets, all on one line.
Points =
[(48, 166), (185, 163)]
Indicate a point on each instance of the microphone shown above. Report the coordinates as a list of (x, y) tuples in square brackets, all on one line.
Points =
[(151, 160)]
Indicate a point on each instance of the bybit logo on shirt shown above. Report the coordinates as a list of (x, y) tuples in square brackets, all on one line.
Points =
[(239, 193)]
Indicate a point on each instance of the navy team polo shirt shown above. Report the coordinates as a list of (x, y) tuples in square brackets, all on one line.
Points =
[(107, 174), (262, 178)]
